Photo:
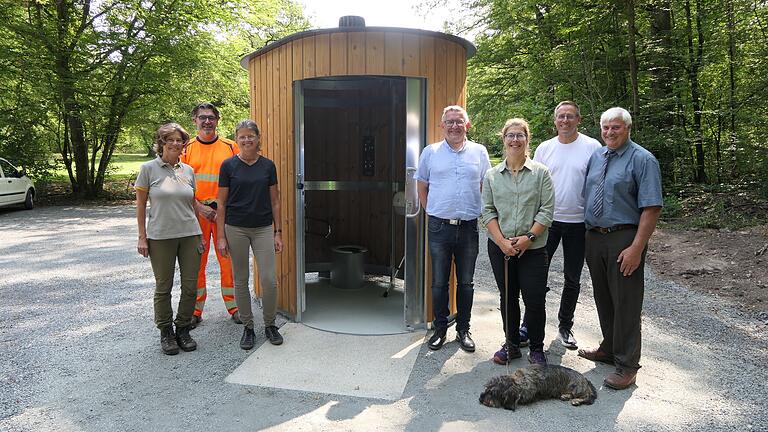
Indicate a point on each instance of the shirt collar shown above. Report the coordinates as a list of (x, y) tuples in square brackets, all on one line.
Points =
[(445, 143), (162, 163), (503, 165), (624, 147)]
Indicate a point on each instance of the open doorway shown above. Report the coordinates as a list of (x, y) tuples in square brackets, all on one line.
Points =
[(360, 244)]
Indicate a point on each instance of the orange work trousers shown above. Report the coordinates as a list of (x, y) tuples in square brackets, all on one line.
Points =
[(225, 263)]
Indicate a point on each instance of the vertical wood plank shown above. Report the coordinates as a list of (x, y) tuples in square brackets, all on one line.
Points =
[(298, 60), (393, 53), (411, 55), (374, 53), (356, 53), (322, 55), (308, 51), (338, 54)]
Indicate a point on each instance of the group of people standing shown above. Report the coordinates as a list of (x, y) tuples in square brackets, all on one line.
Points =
[(601, 203), (208, 189)]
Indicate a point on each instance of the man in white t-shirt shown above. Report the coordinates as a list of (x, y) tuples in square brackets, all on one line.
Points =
[(567, 156)]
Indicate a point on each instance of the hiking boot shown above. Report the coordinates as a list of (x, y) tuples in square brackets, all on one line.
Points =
[(246, 342), (195, 321), (537, 357), (236, 318), (465, 340), (184, 340), (567, 339), (506, 353), (523, 336), (273, 335), (168, 341)]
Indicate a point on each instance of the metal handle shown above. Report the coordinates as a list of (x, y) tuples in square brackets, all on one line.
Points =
[(411, 192)]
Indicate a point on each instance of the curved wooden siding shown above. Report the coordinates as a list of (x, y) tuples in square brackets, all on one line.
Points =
[(272, 73)]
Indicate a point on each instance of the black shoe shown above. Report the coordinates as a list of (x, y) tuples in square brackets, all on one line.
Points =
[(195, 321), (567, 339), (246, 342), (236, 318), (184, 340), (437, 340), (465, 341), (273, 335), (168, 341)]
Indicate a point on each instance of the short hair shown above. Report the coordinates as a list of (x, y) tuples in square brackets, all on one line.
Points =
[(205, 106), (164, 131), (616, 113), (455, 108), (521, 123), (247, 124), (567, 102)]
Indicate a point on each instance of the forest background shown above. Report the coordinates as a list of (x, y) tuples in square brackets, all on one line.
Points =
[(82, 80)]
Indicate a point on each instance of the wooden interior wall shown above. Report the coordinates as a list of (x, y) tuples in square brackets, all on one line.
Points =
[(442, 62)]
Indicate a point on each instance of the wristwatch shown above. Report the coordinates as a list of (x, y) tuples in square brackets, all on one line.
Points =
[(531, 236)]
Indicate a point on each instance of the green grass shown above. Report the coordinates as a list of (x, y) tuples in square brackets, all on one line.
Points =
[(122, 166)]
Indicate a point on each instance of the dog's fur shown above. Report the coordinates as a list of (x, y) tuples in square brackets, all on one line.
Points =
[(537, 382)]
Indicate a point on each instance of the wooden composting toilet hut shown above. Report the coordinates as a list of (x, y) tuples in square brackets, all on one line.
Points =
[(344, 113)]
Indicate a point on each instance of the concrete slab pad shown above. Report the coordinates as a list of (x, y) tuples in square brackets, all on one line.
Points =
[(324, 362)]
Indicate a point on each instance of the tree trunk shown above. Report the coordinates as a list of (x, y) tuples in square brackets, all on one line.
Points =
[(732, 89), (694, 60), (631, 31)]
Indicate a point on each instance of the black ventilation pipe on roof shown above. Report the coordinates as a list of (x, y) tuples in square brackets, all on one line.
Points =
[(351, 21)]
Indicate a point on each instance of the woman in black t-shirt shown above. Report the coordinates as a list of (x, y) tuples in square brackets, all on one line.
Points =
[(249, 216)]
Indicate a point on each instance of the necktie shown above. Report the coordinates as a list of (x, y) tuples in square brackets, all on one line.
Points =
[(597, 209)]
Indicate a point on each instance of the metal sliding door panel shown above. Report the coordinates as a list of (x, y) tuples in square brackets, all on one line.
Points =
[(298, 126), (415, 140)]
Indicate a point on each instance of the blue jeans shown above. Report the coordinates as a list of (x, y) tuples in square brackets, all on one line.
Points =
[(457, 243)]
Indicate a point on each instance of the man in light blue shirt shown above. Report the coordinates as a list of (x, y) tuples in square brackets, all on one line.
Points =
[(450, 176), (623, 203)]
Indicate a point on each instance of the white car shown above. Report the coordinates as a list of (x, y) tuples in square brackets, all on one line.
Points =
[(15, 186)]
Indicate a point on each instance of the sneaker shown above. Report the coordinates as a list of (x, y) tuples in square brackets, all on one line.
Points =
[(505, 354), (537, 357), (246, 342), (168, 341), (184, 340), (236, 318), (567, 339), (273, 335), (523, 336), (195, 321)]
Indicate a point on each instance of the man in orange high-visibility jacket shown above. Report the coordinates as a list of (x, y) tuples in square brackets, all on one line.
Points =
[(205, 153)]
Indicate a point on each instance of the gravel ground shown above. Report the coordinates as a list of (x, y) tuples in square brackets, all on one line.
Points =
[(79, 352)]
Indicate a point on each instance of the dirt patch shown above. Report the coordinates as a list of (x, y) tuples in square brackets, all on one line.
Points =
[(730, 265)]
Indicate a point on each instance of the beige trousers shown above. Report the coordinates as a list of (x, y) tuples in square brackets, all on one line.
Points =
[(261, 241)]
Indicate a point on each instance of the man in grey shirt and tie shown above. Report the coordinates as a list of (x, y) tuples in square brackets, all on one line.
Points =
[(623, 203)]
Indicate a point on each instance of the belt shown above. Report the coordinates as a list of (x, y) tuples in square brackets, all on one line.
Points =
[(609, 230), (453, 221)]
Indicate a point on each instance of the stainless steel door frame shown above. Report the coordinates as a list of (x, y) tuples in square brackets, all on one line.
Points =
[(415, 141), (298, 133)]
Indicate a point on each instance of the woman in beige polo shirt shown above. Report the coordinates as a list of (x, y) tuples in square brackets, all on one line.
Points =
[(518, 202), (172, 233)]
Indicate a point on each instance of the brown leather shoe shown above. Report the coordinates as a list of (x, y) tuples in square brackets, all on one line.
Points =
[(596, 355), (620, 379)]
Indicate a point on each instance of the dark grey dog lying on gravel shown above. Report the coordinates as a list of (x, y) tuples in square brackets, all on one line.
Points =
[(537, 382)]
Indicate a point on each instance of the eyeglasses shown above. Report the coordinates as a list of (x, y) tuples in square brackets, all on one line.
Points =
[(454, 122), (247, 137), (566, 117), (516, 136), (174, 141), (205, 118)]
